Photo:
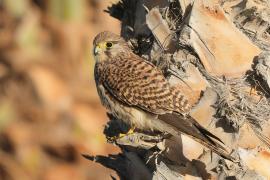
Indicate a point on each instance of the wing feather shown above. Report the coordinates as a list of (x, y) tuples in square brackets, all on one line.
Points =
[(190, 127), (138, 83)]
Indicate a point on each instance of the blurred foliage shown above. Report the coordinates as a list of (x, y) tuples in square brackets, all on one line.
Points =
[(50, 113), (6, 115), (67, 10), (16, 7)]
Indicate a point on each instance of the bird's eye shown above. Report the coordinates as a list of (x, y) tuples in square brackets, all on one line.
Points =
[(109, 44)]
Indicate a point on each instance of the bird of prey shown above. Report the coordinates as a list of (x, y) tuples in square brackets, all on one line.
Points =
[(136, 91)]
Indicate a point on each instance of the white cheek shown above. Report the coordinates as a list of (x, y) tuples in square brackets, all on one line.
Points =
[(101, 57), (95, 51)]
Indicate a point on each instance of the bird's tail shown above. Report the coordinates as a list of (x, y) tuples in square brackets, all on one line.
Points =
[(190, 127)]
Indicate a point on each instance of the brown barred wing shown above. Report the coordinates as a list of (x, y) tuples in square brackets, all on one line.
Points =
[(136, 82), (180, 102)]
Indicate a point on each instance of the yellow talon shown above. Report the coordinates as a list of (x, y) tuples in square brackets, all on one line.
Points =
[(130, 131), (121, 135), (253, 91), (114, 138)]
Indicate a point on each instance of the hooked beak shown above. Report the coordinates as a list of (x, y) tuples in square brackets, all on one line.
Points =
[(97, 50)]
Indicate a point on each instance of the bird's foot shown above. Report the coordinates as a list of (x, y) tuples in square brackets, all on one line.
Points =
[(121, 135), (130, 131)]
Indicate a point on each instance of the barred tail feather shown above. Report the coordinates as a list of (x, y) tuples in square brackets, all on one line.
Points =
[(190, 127)]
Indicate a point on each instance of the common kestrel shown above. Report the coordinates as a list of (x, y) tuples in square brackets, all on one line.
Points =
[(135, 91)]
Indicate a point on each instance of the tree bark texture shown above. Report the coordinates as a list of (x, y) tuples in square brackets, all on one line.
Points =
[(219, 53)]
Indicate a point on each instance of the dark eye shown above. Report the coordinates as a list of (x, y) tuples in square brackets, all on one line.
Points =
[(109, 44)]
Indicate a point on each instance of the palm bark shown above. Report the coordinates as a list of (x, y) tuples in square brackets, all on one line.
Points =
[(219, 53)]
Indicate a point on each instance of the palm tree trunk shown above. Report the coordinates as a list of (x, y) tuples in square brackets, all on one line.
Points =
[(219, 53)]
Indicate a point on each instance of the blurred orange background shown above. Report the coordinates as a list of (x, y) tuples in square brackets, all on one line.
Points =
[(50, 112)]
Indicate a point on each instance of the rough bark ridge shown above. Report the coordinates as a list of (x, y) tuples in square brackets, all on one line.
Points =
[(218, 51)]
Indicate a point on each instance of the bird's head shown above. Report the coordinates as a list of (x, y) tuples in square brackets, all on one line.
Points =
[(108, 45)]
